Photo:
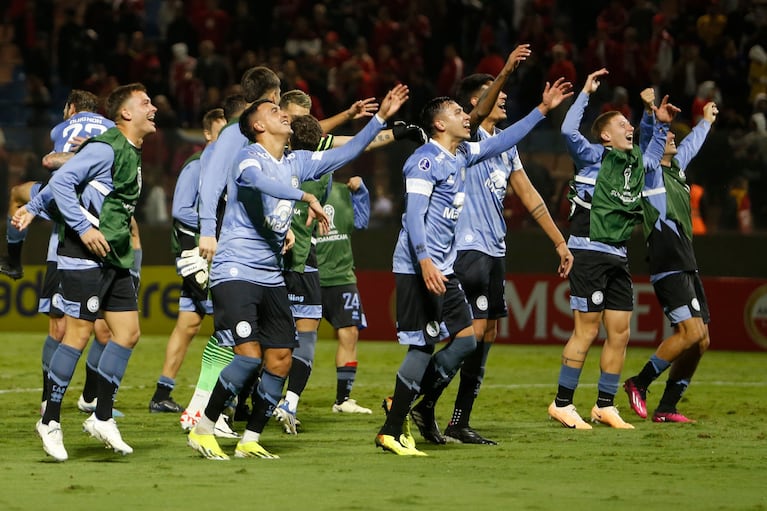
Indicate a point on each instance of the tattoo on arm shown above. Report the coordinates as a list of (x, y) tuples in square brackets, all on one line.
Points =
[(539, 211)]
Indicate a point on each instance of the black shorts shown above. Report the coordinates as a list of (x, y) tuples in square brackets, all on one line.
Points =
[(245, 312), (86, 292), (422, 315), (304, 294), (483, 278), (600, 281), (50, 294), (682, 297), (342, 307)]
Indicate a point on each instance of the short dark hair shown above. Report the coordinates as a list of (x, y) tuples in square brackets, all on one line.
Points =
[(212, 116), (83, 101), (469, 87), (600, 122), (307, 133), (430, 111), (297, 97), (246, 125), (233, 106), (257, 82), (119, 96)]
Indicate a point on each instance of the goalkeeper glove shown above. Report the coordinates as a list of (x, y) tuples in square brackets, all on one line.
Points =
[(194, 270), (404, 131)]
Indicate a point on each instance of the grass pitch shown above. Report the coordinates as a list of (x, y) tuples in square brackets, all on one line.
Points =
[(713, 465)]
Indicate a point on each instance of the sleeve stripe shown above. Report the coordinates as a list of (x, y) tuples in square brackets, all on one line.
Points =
[(317, 155), (419, 186), (249, 162), (473, 147)]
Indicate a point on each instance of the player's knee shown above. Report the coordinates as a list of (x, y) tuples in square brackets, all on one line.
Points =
[(694, 332)]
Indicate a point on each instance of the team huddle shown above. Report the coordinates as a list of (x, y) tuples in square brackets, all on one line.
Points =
[(262, 238)]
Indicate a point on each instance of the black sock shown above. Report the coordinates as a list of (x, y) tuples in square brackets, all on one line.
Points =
[(605, 399), (401, 402), (646, 376), (672, 395), (468, 387), (248, 390), (14, 253), (299, 376), (161, 392), (344, 382), (564, 396), (217, 402), (90, 388)]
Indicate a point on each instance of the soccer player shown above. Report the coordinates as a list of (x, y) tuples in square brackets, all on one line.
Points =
[(95, 258), (605, 195), (301, 276), (194, 303), (673, 268), (428, 292), (480, 241), (251, 305)]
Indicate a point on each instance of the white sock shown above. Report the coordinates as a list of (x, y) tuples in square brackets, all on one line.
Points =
[(198, 402), (291, 398), (250, 436), (204, 426)]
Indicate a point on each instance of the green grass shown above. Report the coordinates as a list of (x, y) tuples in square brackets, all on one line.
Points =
[(713, 465)]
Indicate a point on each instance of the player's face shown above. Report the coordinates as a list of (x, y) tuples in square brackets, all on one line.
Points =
[(498, 113), (215, 129), (273, 119), (293, 110), (670, 149), (455, 121), (619, 133), (141, 111)]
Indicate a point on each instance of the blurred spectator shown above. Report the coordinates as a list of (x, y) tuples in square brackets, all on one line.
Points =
[(707, 92), (211, 69), (661, 56), (757, 71), (451, 73), (710, 27), (37, 102), (697, 209), (615, 18), (212, 23), (302, 39), (689, 71), (619, 103)]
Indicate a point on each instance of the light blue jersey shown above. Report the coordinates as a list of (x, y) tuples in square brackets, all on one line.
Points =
[(434, 186), (260, 206), (216, 171), (481, 225)]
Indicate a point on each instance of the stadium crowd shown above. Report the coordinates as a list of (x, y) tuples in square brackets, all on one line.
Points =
[(192, 54)]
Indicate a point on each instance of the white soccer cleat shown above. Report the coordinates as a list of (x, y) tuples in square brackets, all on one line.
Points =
[(223, 430), (107, 432), (189, 420), (90, 407), (53, 439), (350, 406)]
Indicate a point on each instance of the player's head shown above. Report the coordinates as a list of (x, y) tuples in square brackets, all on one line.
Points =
[(130, 104), (264, 117), (212, 122), (670, 149), (444, 115), (614, 130), (307, 133), (80, 101), (260, 82), (471, 89), (234, 105), (296, 102)]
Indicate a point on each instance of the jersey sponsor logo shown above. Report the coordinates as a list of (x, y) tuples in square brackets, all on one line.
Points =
[(597, 297), (482, 302), (243, 329), (496, 183), (92, 304), (279, 219), (432, 329), (450, 213), (424, 164), (294, 298), (294, 182)]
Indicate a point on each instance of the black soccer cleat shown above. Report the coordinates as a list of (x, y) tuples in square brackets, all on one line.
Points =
[(14, 271), (165, 406), (466, 435), (423, 417)]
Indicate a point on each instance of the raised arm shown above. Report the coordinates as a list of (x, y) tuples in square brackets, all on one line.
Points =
[(358, 110), (692, 143), (360, 202)]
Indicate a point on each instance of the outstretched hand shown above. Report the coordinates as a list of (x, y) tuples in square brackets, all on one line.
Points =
[(648, 98), (516, 57), (362, 108), (710, 111), (592, 82), (394, 99), (554, 94), (22, 218), (665, 112)]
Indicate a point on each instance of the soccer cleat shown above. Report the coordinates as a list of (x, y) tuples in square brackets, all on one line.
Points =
[(107, 432), (90, 407), (287, 418), (423, 417), (568, 416), (165, 406), (637, 397), (350, 406), (189, 420), (466, 435), (671, 417), (14, 271), (386, 405), (222, 429), (53, 439), (400, 446), (609, 416), (253, 450), (206, 445)]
